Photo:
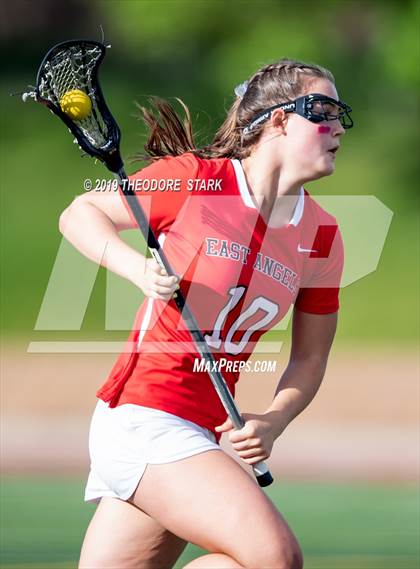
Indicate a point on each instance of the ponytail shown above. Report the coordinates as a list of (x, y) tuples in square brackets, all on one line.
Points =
[(168, 135)]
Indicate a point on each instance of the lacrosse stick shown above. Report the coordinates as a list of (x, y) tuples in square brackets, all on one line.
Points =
[(67, 83)]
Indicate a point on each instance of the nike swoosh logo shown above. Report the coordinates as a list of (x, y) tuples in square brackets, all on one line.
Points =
[(302, 250)]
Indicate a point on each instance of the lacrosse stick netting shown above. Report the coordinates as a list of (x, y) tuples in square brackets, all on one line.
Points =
[(71, 66)]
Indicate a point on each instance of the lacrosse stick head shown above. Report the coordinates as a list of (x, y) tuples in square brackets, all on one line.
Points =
[(69, 71)]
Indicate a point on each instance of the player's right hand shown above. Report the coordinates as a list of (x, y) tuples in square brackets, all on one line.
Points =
[(155, 282)]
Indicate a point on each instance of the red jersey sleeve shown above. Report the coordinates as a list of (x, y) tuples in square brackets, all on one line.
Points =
[(161, 189), (319, 292)]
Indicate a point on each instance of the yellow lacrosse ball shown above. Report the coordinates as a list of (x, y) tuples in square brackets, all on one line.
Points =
[(76, 104)]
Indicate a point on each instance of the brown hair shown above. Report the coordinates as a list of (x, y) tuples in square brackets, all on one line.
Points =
[(278, 82)]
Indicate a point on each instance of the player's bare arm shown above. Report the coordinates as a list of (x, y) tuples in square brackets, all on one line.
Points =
[(92, 224), (312, 338)]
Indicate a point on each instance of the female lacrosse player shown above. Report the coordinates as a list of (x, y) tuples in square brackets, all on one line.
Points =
[(247, 241)]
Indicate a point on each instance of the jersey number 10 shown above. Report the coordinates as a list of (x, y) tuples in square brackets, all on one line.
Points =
[(259, 303)]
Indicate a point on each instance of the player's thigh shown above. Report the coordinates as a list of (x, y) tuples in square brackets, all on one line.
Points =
[(121, 535), (209, 500)]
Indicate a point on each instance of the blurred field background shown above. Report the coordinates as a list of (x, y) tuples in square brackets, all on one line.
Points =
[(347, 469)]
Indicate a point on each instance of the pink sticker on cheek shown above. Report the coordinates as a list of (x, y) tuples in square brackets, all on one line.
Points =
[(324, 129)]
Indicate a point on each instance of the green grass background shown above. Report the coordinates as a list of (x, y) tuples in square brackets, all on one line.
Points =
[(338, 526)]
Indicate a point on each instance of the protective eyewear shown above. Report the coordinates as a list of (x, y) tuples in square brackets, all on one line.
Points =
[(314, 107)]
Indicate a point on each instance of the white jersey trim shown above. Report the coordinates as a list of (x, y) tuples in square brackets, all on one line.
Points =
[(249, 202), (242, 185), (298, 213)]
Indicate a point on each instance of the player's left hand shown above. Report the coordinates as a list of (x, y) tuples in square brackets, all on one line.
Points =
[(254, 441)]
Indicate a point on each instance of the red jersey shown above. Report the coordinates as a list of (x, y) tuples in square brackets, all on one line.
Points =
[(239, 275)]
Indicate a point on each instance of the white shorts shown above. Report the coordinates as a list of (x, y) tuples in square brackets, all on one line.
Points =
[(124, 439)]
